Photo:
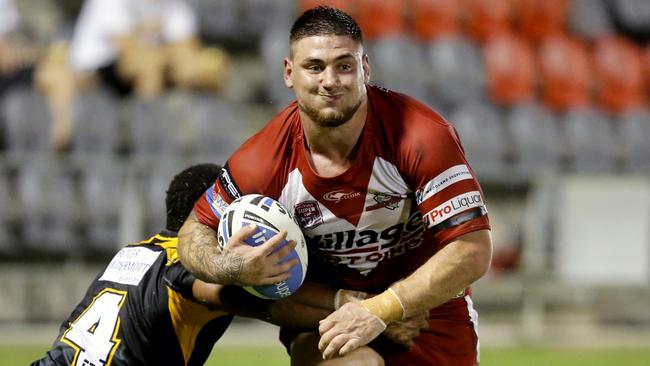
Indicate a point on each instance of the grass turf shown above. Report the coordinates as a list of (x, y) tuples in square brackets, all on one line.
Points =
[(506, 356)]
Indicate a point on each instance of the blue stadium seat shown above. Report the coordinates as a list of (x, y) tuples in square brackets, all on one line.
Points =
[(535, 139), (96, 126), (153, 126), (591, 145), (7, 213), (456, 71), (214, 127), (102, 187), (634, 128), (50, 215), (27, 122), (398, 63), (589, 19), (218, 20), (260, 15), (481, 132), (274, 47), (155, 174)]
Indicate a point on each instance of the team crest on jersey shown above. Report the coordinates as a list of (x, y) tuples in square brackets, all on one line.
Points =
[(386, 200), (308, 214)]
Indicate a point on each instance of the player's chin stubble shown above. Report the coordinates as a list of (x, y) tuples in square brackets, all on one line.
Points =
[(329, 120)]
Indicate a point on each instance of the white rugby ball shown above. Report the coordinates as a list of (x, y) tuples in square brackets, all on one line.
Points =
[(271, 218)]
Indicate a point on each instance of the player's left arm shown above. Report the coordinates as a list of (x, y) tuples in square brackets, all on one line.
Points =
[(443, 276), (290, 311), (453, 208)]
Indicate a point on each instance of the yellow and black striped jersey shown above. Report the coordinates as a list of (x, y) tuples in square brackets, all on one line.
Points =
[(139, 311)]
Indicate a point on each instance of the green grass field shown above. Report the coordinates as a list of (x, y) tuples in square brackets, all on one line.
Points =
[(508, 356)]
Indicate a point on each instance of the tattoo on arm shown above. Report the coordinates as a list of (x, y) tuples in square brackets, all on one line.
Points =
[(201, 255)]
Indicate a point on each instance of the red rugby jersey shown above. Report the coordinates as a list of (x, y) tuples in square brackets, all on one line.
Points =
[(367, 227)]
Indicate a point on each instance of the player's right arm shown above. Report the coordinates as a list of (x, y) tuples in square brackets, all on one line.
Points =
[(238, 264)]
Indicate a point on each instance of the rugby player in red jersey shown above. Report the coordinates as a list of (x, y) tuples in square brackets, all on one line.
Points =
[(381, 188)]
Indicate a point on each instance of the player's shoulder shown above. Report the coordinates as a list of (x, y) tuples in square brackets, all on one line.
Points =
[(406, 120), (264, 154)]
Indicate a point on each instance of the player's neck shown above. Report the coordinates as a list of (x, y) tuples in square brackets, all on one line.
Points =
[(336, 144)]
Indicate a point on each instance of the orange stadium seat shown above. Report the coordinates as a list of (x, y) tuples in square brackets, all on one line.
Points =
[(484, 18), (380, 19), (430, 19), (565, 72), (510, 69), (538, 19), (619, 74)]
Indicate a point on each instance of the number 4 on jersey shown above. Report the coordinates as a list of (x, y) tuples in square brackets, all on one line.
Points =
[(93, 333)]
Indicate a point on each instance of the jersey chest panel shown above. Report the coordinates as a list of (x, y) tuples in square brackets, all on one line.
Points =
[(388, 223)]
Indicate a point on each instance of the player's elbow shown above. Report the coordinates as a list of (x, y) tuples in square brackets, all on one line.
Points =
[(480, 254)]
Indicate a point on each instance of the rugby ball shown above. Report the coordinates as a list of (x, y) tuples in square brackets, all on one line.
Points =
[(271, 218)]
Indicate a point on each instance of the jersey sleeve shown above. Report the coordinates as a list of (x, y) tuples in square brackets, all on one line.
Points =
[(212, 204), (447, 191), (179, 279), (256, 167)]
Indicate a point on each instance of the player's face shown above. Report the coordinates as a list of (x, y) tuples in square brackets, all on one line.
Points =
[(328, 75)]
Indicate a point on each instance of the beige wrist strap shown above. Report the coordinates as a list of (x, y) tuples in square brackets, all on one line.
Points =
[(387, 306)]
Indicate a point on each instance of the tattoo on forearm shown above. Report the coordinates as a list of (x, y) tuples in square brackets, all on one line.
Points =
[(204, 259)]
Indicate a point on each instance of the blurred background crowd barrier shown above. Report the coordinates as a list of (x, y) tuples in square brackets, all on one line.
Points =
[(102, 101)]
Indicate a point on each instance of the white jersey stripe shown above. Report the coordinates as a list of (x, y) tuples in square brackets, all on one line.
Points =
[(450, 176), (473, 317)]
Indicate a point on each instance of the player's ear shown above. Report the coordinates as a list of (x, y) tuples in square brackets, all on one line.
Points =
[(365, 64), (288, 69)]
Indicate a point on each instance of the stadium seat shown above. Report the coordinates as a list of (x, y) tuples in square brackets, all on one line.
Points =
[(456, 73), (538, 19), (397, 63), (431, 19), (50, 214), (379, 19), (632, 17), (510, 69), (96, 126), (591, 145), (214, 127), (481, 132), (7, 213), (589, 19), (619, 74), (260, 15), (155, 174), (634, 128), (535, 139), (27, 122), (152, 126), (565, 72), (102, 184), (218, 20), (484, 19), (274, 47)]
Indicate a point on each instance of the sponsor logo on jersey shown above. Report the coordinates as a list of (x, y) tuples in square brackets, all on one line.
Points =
[(386, 200), (217, 203), (363, 249), (452, 207), (443, 180), (338, 195), (228, 183), (308, 214), (129, 265)]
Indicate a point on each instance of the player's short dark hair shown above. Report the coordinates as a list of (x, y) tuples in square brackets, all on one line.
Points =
[(185, 189), (325, 21)]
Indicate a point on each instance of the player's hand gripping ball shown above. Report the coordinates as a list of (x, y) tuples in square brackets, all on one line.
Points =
[(271, 218)]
